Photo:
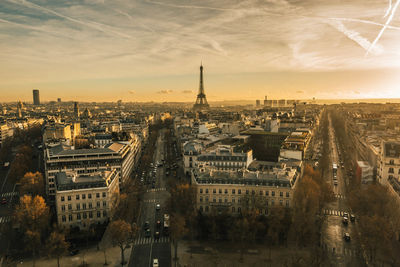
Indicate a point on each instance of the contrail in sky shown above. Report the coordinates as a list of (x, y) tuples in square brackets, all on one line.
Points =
[(384, 27), (389, 8), (366, 22)]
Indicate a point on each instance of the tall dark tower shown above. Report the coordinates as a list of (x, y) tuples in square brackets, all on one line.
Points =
[(201, 101), (36, 99)]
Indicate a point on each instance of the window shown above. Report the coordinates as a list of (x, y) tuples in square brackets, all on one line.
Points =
[(69, 207), (214, 200), (201, 190), (63, 207), (281, 194), (78, 206), (233, 209), (70, 218), (206, 198), (90, 214), (233, 200), (391, 170), (84, 215), (89, 196), (272, 202), (220, 191), (97, 195), (83, 196), (267, 193), (201, 208), (273, 193), (63, 218), (391, 162), (69, 198), (287, 194), (98, 204), (281, 202), (220, 200), (239, 209), (104, 203), (287, 203), (90, 205), (233, 191), (206, 190), (104, 213), (226, 200), (62, 198), (78, 216), (98, 214), (266, 203), (261, 192), (253, 192), (77, 197), (239, 191), (226, 191), (247, 192), (84, 206), (206, 209), (214, 191), (104, 194)]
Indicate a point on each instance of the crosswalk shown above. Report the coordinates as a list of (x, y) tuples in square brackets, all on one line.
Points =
[(156, 189), (9, 194), (149, 201), (148, 240), (5, 219), (340, 196), (334, 212)]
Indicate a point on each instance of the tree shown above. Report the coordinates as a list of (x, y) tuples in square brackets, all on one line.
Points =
[(32, 184), (32, 239), (32, 213), (239, 233), (178, 230), (56, 245), (122, 234)]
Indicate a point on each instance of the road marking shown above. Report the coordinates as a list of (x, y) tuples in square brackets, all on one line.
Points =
[(156, 189), (150, 240), (9, 194), (5, 219)]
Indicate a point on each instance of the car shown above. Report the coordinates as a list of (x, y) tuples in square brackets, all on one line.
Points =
[(146, 225), (158, 206), (352, 218), (157, 235), (147, 233), (155, 263), (347, 237), (346, 214), (158, 224), (335, 182), (73, 252), (345, 220), (3, 201)]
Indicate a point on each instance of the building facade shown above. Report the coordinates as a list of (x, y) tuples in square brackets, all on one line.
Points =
[(83, 200), (36, 98)]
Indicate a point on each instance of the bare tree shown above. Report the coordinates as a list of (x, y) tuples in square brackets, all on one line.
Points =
[(56, 245), (122, 234)]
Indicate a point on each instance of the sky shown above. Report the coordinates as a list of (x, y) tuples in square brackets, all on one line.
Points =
[(151, 50)]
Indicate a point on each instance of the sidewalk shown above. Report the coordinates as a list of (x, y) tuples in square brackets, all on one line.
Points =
[(93, 257), (204, 254)]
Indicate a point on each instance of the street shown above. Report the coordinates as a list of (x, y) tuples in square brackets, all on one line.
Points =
[(147, 248)]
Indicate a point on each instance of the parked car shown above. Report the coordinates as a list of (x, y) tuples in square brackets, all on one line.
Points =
[(158, 206), (345, 220), (346, 214), (3, 201), (157, 235), (147, 233), (146, 225), (352, 218), (155, 263)]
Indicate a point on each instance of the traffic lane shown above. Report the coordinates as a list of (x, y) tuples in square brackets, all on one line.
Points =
[(162, 252), (140, 256)]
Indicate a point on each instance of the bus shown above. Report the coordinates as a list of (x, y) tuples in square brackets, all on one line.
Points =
[(334, 171)]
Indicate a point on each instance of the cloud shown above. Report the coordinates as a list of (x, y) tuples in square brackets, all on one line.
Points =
[(356, 92), (164, 92), (187, 91), (132, 92), (300, 92)]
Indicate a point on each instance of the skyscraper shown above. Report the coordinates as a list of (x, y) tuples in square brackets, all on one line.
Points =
[(201, 101), (76, 110), (36, 99), (19, 109)]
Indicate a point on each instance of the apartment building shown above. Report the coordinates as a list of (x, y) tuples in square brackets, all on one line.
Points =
[(233, 191), (121, 156), (3, 133), (388, 171), (295, 145), (83, 200)]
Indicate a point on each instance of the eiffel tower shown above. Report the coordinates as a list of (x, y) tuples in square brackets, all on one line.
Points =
[(201, 101)]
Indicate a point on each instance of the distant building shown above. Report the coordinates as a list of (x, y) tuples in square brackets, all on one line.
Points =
[(83, 200), (76, 110), (57, 131), (59, 100), (3, 133), (20, 106), (388, 172), (36, 99), (295, 145), (258, 103)]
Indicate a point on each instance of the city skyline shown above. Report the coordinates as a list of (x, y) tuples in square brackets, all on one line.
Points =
[(150, 51)]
